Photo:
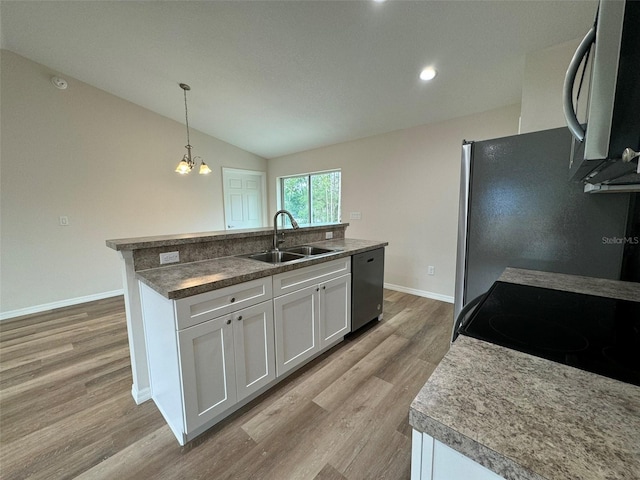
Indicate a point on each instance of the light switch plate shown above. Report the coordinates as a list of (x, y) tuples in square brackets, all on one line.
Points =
[(328, 235), (431, 270), (355, 216), (169, 257)]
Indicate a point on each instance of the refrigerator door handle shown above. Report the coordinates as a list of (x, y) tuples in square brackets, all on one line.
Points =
[(463, 214), (567, 92)]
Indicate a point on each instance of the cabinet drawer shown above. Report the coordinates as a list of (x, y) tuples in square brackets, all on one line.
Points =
[(287, 282), (205, 306)]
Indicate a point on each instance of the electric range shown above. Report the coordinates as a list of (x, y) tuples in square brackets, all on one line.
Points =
[(597, 334)]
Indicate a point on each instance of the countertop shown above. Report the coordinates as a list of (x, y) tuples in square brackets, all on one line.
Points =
[(525, 417), (183, 280), (138, 243)]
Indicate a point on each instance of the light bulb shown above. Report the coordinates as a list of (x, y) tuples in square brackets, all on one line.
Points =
[(183, 168), (428, 73), (204, 169)]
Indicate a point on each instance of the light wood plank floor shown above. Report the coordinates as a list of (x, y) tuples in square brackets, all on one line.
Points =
[(66, 409)]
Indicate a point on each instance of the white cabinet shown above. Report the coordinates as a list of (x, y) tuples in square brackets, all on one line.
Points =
[(253, 340), (207, 365), (315, 315), (335, 310), (224, 361), (201, 373), (296, 327), (433, 460), (211, 353)]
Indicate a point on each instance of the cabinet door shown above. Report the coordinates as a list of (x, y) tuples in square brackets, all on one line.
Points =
[(254, 348), (335, 309), (207, 369), (296, 327)]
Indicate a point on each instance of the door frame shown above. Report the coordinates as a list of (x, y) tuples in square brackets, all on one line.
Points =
[(263, 181)]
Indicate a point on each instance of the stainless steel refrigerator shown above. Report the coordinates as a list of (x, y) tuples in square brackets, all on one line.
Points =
[(519, 209)]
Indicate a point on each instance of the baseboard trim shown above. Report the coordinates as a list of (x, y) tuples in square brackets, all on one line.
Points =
[(59, 304), (419, 293), (140, 396)]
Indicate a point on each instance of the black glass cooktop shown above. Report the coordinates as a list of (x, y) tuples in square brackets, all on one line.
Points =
[(600, 335)]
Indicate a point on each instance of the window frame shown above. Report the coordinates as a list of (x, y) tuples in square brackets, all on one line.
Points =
[(280, 195)]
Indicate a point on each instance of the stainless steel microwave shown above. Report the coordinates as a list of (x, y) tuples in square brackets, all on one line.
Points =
[(606, 141)]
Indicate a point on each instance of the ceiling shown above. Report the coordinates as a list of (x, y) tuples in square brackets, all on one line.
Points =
[(278, 77)]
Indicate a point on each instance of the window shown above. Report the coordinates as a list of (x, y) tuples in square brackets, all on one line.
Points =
[(312, 198)]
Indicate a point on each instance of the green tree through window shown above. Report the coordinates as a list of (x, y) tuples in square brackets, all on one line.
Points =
[(312, 198)]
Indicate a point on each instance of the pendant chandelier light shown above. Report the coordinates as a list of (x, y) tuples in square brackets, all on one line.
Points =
[(187, 163)]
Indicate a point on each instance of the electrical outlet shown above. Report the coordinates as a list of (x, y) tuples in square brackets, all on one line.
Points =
[(431, 270), (328, 235), (64, 220), (355, 216), (169, 257)]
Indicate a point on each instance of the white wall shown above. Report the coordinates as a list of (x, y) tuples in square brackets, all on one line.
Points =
[(105, 163), (406, 186)]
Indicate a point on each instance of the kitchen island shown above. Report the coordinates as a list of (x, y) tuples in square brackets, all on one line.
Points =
[(492, 412), (222, 327), (143, 254)]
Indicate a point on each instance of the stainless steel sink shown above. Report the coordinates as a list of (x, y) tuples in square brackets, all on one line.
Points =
[(275, 257), (308, 250), (292, 254)]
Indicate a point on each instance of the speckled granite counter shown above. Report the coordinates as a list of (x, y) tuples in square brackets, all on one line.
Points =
[(184, 280), (157, 241), (573, 283), (525, 417)]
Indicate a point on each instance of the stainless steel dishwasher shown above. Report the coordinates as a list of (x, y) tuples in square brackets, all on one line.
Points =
[(367, 279)]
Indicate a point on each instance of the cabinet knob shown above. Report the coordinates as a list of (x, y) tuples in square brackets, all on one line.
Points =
[(324, 287), (317, 289), (239, 317), (233, 299), (228, 321)]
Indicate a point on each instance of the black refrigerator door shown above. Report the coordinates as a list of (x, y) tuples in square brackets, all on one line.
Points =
[(523, 212)]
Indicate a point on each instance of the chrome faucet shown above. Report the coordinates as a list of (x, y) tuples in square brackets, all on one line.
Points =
[(294, 224)]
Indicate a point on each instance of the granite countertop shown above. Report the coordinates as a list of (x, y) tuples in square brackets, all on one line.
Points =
[(525, 417), (600, 287), (183, 280), (187, 238)]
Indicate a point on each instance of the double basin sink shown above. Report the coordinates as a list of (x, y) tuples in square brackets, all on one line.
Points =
[(290, 254)]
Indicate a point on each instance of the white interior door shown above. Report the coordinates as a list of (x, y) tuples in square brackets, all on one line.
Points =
[(244, 198)]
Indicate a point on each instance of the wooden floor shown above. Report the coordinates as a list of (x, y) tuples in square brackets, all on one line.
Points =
[(66, 409)]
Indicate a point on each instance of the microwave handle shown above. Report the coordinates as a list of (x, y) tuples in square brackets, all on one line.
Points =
[(567, 92)]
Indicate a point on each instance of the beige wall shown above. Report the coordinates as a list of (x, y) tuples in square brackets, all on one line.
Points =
[(542, 84), (105, 163), (406, 185), (108, 165)]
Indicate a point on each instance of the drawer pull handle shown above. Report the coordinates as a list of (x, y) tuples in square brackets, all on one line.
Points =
[(239, 317), (233, 299), (228, 321)]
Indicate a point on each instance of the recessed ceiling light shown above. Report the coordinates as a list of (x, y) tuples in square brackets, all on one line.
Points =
[(379, 1), (428, 73)]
